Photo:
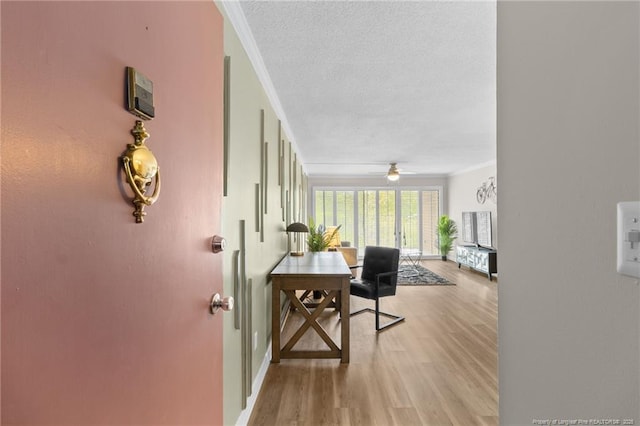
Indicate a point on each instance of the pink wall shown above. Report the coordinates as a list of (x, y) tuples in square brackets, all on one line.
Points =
[(104, 320)]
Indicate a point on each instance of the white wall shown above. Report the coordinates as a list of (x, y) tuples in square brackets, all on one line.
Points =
[(248, 98), (462, 188), (568, 87)]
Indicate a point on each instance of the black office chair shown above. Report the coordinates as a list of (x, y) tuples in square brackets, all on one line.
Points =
[(378, 279)]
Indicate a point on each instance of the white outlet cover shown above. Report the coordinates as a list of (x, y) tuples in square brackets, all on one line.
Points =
[(628, 255)]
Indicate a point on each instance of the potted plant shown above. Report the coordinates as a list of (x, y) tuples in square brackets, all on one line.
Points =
[(317, 239), (447, 231)]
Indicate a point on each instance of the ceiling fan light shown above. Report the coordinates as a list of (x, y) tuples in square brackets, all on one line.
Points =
[(393, 174)]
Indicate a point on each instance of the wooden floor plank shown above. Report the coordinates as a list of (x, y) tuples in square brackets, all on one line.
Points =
[(438, 367)]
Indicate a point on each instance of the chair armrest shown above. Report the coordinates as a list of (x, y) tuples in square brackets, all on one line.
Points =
[(383, 274)]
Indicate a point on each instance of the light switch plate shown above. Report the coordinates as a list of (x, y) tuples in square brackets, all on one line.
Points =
[(628, 251)]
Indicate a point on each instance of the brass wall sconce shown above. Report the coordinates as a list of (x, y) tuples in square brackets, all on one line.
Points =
[(140, 167)]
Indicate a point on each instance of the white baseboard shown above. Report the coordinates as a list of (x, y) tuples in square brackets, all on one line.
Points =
[(245, 414)]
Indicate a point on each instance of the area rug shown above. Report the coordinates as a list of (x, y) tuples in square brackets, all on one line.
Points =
[(419, 275)]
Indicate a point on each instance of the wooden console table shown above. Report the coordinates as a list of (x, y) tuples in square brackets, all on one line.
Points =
[(324, 271)]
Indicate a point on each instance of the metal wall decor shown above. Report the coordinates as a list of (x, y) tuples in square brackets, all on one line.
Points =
[(290, 216), (488, 190), (262, 177), (266, 175), (248, 360), (303, 192), (288, 211), (280, 141), (244, 292), (258, 213), (294, 188), (281, 177), (236, 287)]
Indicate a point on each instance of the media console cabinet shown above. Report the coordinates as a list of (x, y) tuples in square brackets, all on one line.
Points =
[(479, 258)]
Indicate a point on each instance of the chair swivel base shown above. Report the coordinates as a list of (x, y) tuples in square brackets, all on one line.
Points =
[(396, 318)]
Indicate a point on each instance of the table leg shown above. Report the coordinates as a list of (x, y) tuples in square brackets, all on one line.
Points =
[(275, 321), (344, 313)]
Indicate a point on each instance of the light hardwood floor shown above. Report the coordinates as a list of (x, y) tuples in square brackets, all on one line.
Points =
[(438, 367)]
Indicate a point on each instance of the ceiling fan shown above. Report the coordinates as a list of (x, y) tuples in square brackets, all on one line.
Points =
[(394, 172)]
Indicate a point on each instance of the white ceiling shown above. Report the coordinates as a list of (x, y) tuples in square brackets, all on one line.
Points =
[(360, 84)]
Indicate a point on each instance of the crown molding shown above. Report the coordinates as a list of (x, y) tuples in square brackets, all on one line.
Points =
[(239, 22), (473, 168)]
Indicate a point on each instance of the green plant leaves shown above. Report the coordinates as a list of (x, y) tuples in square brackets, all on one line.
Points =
[(318, 240), (447, 231)]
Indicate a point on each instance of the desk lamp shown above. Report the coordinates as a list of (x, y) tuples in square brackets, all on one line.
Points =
[(297, 228)]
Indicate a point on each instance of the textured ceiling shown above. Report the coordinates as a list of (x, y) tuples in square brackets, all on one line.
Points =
[(362, 84)]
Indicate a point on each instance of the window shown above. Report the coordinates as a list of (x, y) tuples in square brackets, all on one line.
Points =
[(345, 215), (409, 220), (367, 218), (387, 218), (431, 211), (402, 218)]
